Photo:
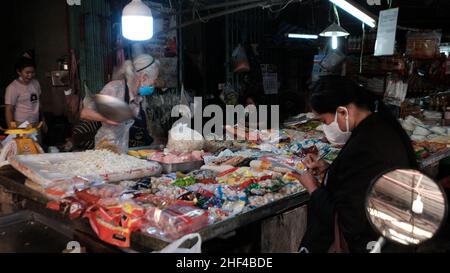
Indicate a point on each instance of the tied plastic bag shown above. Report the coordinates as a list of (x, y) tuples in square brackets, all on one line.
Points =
[(395, 92), (184, 139), (229, 96), (114, 138), (240, 60), (175, 247)]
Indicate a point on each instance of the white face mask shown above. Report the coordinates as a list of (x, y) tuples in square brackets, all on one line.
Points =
[(334, 134)]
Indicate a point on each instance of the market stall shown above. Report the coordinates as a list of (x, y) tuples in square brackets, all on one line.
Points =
[(166, 194), (37, 203)]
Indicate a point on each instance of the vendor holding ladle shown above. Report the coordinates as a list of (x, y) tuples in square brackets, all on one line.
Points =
[(134, 80)]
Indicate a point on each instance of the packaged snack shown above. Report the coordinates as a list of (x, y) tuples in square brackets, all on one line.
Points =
[(280, 163), (233, 207), (216, 214), (204, 176), (176, 221), (70, 206), (66, 188), (264, 187), (207, 200), (243, 177), (184, 182), (114, 225), (163, 201)]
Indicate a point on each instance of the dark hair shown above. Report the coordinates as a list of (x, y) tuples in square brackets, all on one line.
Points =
[(23, 62), (331, 92)]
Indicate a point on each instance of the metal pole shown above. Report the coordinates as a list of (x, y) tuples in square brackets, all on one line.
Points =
[(222, 5), (215, 15)]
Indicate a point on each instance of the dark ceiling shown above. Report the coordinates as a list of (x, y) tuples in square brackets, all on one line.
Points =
[(315, 15)]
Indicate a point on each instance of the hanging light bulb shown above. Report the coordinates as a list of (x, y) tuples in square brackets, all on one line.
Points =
[(417, 206), (137, 21), (334, 31), (334, 42)]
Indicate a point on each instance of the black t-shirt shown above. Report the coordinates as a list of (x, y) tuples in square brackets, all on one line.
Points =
[(374, 148)]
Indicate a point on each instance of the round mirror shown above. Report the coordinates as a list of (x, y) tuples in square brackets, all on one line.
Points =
[(406, 206)]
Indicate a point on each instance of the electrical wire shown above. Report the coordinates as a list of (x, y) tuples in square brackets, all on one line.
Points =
[(195, 12), (200, 18), (362, 48), (336, 15), (282, 8), (313, 15)]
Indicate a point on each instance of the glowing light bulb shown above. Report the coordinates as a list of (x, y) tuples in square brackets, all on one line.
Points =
[(334, 42), (417, 206)]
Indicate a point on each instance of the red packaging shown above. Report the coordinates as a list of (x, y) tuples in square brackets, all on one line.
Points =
[(114, 225), (87, 197), (162, 201), (69, 206)]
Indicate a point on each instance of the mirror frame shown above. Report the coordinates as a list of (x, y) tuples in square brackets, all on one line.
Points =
[(366, 205)]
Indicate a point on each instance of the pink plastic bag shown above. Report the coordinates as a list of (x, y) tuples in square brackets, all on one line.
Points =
[(240, 60)]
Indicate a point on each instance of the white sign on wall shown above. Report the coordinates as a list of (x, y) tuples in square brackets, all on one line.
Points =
[(374, 2), (387, 28), (73, 2)]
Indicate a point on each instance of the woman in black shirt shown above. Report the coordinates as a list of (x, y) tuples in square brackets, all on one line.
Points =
[(374, 142)]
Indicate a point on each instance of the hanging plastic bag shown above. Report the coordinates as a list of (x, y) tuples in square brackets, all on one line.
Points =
[(175, 247), (229, 96), (240, 60), (184, 139), (114, 138), (186, 99), (395, 92)]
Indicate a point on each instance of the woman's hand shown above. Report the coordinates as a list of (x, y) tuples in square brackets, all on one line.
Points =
[(318, 167), (308, 181)]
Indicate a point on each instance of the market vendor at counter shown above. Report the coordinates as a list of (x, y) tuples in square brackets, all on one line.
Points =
[(374, 142), (134, 80)]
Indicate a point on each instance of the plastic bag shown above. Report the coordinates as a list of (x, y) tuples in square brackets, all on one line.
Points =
[(240, 60), (175, 247), (186, 99), (114, 138), (395, 92), (229, 96), (184, 139), (175, 221), (9, 150)]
